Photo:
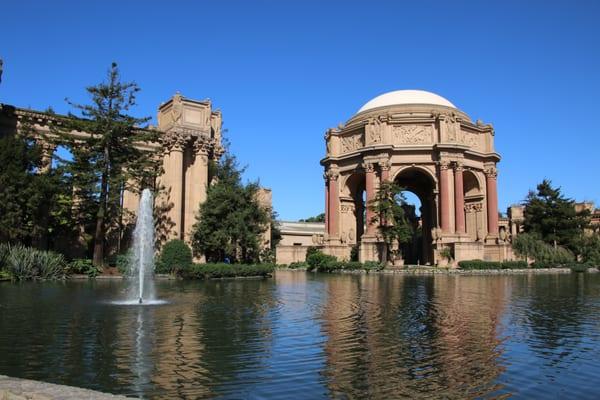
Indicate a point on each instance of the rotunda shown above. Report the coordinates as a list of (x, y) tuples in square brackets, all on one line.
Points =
[(429, 147)]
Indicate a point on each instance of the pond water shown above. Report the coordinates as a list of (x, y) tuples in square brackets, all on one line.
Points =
[(312, 336)]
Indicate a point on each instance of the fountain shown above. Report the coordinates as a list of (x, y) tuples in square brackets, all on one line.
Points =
[(140, 277)]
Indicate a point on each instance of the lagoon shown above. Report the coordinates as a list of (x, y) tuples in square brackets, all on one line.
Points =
[(305, 335)]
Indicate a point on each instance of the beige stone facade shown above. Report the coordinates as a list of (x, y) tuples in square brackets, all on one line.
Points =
[(296, 238), (429, 147)]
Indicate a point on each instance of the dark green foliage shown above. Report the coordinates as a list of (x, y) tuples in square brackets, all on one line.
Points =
[(109, 160), (480, 264), (231, 221), (297, 265), (350, 266), (529, 245), (390, 216), (317, 260), (579, 267), (83, 266), (175, 257), (553, 218), (589, 248), (25, 263), (318, 218), (34, 206), (354, 253), (221, 270), (124, 262)]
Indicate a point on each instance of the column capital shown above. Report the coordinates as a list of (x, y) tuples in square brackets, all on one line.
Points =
[(368, 166), (202, 147), (332, 175), (385, 165), (444, 164), (459, 166), (174, 141), (491, 172)]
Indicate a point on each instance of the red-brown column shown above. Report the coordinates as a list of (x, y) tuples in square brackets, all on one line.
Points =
[(326, 202), (459, 199), (492, 201), (334, 205), (370, 188), (444, 197)]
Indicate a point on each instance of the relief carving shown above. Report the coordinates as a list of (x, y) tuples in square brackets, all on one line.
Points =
[(412, 134), (471, 139), (374, 131), (351, 143)]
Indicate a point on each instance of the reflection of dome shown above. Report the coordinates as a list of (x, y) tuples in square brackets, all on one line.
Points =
[(399, 97)]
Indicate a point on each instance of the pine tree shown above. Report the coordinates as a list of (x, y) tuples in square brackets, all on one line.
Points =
[(231, 222), (113, 154), (390, 216), (553, 217)]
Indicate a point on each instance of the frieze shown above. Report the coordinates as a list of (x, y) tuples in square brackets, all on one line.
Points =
[(412, 134), (374, 131), (473, 207), (352, 143)]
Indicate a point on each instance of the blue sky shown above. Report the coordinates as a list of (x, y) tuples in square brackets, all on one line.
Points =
[(283, 72)]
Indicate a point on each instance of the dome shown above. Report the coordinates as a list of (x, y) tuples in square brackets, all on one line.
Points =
[(399, 97)]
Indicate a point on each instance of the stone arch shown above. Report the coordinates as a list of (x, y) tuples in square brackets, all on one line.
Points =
[(353, 207), (474, 207), (422, 183)]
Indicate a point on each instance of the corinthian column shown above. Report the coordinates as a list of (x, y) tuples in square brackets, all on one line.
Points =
[(326, 177), (334, 204), (459, 199), (173, 180), (492, 200), (444, 197), (196, 185), (370, 189)]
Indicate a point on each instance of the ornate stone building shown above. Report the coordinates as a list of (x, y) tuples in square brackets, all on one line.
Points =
[(190, 138), (429, 147)]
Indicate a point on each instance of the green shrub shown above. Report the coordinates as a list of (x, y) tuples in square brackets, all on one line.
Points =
[(479, 264), (579, 267), (4, 248), (590, 249), (317, 260), (298, 265), (530, 245), (25, 263), (514, 265), (80, 266), (123, 262), (175, 257), (222, 270)]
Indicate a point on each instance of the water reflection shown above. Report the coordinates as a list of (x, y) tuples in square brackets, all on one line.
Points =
[(312, 336)]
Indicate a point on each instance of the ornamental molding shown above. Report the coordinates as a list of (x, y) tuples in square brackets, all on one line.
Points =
[(412, 134), (473, 207), (352, 142), (174, 141), (491, 172)]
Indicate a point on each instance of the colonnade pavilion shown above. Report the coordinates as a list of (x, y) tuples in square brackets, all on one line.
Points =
[(417, 139)]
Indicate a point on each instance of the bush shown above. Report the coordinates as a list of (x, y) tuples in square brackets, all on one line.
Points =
[(83, 266), (123, 262), (579, 267), (4, 248), (24, 263), (530, 245), (175, 257), (222, 270), (317, 260), (480, 264), (590, 249), (298, 265)]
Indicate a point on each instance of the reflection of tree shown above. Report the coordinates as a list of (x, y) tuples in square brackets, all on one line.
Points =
[(555, 314)]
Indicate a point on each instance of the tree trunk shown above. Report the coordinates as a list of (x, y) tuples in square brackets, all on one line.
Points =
[(98, 258)]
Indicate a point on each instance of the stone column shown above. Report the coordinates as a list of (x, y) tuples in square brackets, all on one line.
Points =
[(196, 185), (459, 199), (173, 182), (444, 197), (385, 171), (47, 152), (334, 204), (492, 200), (326, 177), (371, 189)]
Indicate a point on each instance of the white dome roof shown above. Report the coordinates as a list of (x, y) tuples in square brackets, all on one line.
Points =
[(406, 97)]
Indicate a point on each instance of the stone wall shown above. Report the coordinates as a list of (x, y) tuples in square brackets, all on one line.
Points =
[(25, 389)]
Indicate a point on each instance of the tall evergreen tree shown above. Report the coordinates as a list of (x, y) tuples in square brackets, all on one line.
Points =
[(112, 155), (32, 204), (553, 217), (388, 207), (231, 222)]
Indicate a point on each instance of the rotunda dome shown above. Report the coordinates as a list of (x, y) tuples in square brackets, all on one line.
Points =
[(400, 97)]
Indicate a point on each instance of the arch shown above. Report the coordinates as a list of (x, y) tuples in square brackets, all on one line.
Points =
[(473, 196), (422, 183), (353, 208)]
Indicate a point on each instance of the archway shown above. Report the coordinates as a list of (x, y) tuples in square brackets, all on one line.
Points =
[(353, 204), (422, 185), (474, 216)]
